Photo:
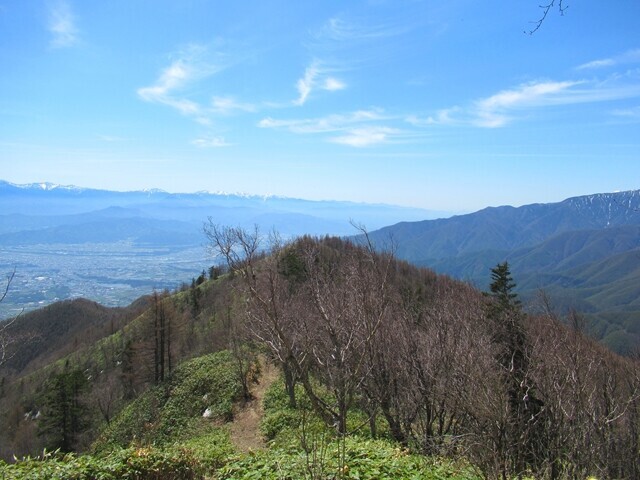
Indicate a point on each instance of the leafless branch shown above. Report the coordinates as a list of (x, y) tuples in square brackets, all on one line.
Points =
[(545, 11)]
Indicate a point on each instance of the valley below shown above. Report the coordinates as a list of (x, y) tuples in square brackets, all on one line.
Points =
[(113, 274)]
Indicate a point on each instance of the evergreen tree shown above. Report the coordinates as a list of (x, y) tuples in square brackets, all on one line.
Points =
[(523, 433), (504, 311), (63, 412)]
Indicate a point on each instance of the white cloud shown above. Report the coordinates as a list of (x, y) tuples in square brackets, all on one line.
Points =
[(630, 56), (340, 30), (62, 26), (314, 77), (190, 66), (332, 84), (353, 129), (174, 88), (211, 142), (493, 111), (226, 105), (305, 84), (327, 124), (441, 117), (497, 110), (364, 137), (172, 78), (633, 112), (503, 107), (605, 62), (530, 94)]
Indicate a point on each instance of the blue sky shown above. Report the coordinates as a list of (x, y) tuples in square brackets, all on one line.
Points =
[(441, 105)]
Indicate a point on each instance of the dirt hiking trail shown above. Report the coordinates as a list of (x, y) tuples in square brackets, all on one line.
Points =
[(245, 428)]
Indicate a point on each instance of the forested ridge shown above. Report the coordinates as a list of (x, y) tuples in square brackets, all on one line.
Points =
[(374, 354), (582, 251)]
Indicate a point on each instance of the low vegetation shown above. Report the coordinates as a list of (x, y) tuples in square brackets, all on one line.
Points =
[(387, 371)]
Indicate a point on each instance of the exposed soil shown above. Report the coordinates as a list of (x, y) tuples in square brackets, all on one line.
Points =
[(245, 428)]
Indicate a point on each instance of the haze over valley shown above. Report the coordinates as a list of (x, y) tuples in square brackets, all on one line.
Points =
[(113, 247)]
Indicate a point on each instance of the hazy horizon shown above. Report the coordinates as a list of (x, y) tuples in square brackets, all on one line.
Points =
[(52, 185), (449, 107)]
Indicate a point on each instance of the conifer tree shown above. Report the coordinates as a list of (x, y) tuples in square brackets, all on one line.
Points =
[(63, 411), (522, 440)]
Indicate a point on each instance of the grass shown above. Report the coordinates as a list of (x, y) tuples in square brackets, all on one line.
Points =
[(173, 410), (162, 435)]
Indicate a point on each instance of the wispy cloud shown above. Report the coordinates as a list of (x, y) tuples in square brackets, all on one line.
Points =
[(630, 56), (332, 84), (227, 105), (445, 116), (630, 113), (361, 128), (504, 107), (494, 111), (316, 77), (174, 88), (191, 65), (365, 137), (341, 30), (211, 142), (64, 32), (327, 124), (605, 62)]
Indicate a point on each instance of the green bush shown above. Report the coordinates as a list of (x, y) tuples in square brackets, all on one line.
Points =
[(125, 464), (173, 411), (357, 458), (211, 449)]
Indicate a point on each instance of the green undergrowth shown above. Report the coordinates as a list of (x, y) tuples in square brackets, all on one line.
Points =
[(173, 411), (353, 458), (142, 463), (302, 447), (160, 435), (163, 436)]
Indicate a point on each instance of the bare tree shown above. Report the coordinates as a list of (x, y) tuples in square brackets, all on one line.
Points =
[(316, 304), (271, 302), (6, 337)]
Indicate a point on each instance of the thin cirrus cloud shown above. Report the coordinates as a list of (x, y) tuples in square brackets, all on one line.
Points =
[(172, 78), (340, 30), (171, 89), (316, 77), (365, 136), (629, 113), (630, 56), (229, 105), (498, 109), (211, 142), (502, 108), (360, 128), (62, 26), (493, 111), (326, 124), (190, 66)]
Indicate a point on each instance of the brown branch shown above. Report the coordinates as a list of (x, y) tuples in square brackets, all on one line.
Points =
[(545, 11)]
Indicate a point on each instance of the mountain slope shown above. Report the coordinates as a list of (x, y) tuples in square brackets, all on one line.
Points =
[(583, 252), (509, 228), (50, 333)]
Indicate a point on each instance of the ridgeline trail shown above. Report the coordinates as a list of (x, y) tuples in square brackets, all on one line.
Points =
[(245, 429)]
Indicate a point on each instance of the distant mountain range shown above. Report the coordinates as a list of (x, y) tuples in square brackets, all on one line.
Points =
[(584, 252), (112, 247), (39, 205)]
